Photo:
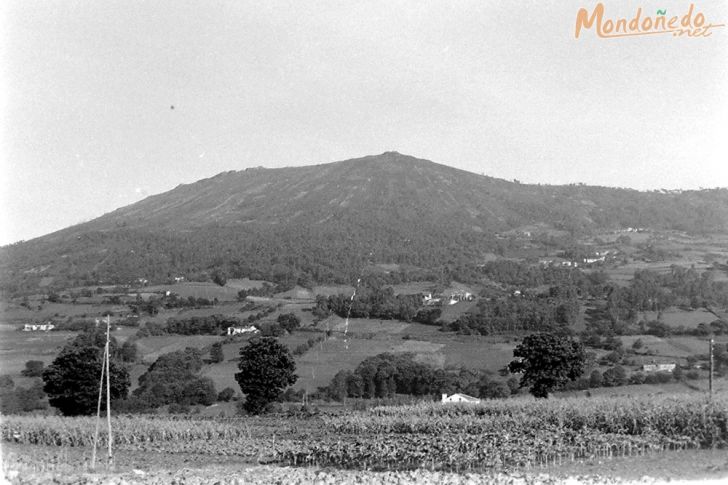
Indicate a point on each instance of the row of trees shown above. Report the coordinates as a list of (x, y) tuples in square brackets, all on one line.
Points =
[(72, 380), (385, 375), (519, 314), (372, 302), (652, 291), (523, 275)]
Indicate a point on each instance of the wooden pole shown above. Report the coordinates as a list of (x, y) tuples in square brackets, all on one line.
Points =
[(108, 388), (710, 370), (98, 410)]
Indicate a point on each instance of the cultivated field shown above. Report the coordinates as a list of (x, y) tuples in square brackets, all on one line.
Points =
[(509, 438)]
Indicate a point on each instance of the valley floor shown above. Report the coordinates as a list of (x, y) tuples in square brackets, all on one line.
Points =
[(35, 464)]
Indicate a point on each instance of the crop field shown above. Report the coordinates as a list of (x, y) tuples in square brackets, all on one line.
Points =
[(496, 435)]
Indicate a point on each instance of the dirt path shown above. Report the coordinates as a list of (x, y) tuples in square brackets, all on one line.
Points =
[(34, 465)]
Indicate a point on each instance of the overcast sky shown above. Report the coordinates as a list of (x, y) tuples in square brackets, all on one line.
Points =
[(501, 88)]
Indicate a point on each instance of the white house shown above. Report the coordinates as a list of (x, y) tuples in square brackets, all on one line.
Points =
[(458, 397), (35, 327), (658, 367), (242, 330)]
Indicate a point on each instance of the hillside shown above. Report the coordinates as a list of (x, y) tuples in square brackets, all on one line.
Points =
[(323, 223)]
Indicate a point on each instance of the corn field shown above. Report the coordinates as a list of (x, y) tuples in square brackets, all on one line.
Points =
[(495, 435)]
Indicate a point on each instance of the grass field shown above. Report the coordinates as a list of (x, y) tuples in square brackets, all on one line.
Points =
[(362, 325), (198, 290), (330, 290), (16, 348), (150, 348), (317, 366), (15, 314), (675, 317), (245, 283)]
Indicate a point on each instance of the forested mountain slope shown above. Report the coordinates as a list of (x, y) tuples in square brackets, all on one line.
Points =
[(323, 222)]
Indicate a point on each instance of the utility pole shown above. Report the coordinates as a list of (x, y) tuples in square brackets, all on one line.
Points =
[(98, 412), (105, 371), (108, 388), (710, 370)]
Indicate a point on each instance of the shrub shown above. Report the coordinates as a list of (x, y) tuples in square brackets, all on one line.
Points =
[(616, 376), (33, 368), (226, 394), (595, 379), (176, 408), (289, 321), (216, 353), (637, 378)]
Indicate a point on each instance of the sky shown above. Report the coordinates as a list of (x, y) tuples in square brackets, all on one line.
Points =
[(106, 102)]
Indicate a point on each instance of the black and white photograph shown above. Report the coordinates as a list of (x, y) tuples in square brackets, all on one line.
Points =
[(363, 242)]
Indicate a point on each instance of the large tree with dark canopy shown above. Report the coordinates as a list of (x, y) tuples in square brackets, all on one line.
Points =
[(72, 380), (174, 379), (547, 361), (266, 369)]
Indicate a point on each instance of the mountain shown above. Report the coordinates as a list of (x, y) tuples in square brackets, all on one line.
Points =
[(325, 222)]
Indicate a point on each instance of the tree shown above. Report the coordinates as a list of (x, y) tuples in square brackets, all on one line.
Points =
[(595, 379), (72, 380), (289, 321), (199, 390), (173, 378), (615, 376), (547, 362), (219, 277), (129, 351), (33, 368), (216, 353), (266, 369)]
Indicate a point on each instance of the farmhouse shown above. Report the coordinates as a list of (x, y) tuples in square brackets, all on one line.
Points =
[(36, 327), (242, 330), (658, 367), (458, 397)]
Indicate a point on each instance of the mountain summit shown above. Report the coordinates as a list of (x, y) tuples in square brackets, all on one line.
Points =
[(322, 222)]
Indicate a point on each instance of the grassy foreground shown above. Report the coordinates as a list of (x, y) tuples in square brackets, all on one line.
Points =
[(495, 435)]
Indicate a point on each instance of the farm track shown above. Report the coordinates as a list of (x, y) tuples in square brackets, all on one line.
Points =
[(35, 465)]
